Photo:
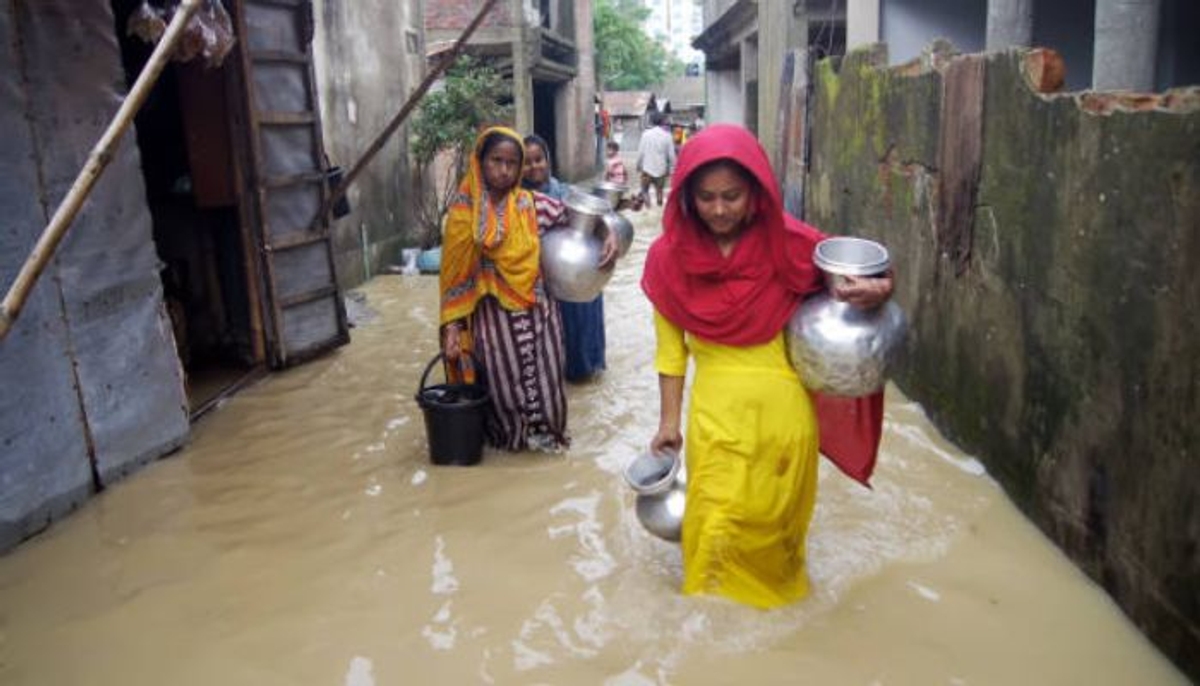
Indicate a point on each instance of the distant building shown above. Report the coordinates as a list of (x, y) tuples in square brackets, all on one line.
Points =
[(744, 42), (629, 112), (679, 22), (545, 49), (683, 98)]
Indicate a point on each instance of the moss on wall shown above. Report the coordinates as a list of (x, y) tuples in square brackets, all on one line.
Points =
[(1067, 356)]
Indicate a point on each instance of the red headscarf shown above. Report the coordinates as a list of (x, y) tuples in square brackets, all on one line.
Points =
[(746, 298)]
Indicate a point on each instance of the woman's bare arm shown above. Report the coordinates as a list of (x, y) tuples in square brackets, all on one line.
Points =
[(670, 433)]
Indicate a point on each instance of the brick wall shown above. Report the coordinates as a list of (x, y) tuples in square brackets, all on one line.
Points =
[(445, 15)]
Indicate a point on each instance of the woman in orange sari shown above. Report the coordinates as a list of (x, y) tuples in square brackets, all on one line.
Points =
[(493, 303)]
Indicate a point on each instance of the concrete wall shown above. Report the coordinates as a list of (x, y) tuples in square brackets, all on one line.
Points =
[(724, 97), (1061, 346), (575, 116), (369, 55)]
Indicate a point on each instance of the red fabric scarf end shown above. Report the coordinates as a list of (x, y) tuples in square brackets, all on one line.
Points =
[(850, 432)]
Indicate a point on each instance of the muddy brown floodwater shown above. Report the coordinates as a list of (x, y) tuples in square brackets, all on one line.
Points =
[(302, 537)]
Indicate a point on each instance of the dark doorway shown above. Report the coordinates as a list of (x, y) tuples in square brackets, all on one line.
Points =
[(751, 106), (1068, 26), (544, 96), (184, 140)]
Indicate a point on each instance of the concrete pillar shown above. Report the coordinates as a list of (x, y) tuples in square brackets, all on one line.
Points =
[(781, 27), (574, 119), (750, 83), (862, 23), (522, 81), (1126, 44), (1009, 23)]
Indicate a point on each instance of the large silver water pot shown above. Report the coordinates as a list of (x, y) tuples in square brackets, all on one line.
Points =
[(837, 348), (571, 254), (620, 225), (613, 192), (661, 486)]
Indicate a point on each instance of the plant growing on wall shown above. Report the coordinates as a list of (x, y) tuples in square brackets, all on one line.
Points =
[(471, 96)]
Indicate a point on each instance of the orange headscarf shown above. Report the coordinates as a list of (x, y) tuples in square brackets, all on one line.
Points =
[(486, 249)]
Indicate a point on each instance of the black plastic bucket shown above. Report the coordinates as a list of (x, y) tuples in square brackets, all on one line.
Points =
[(333, 178), (455, 415)]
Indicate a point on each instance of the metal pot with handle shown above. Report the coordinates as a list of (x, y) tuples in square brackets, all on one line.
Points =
[(571, 255), (839, 349)]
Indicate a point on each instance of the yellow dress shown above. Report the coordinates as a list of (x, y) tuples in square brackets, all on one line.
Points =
[(751, 451)]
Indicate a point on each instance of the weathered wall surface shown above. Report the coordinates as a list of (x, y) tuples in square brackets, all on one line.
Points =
[(369, 56), (1053, 327), (90, 379), (42, 474), (575, 116)]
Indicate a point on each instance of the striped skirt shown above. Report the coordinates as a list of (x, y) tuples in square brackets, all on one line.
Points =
[(522, 352)]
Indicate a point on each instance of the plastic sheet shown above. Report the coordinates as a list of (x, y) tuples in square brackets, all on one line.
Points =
[(208, 34)]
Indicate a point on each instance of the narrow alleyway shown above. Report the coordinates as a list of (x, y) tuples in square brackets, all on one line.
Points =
[(304, 538)]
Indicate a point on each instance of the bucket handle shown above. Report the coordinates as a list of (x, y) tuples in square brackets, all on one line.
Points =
[(480, 376)]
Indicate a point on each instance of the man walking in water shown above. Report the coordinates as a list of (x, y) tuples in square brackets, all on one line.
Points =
[(656, 158)]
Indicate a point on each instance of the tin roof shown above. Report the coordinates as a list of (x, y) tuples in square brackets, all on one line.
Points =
[(629, 103)]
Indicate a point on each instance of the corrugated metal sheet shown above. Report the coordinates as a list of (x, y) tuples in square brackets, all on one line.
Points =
[(62, 82), (43, 452), (628, 103)]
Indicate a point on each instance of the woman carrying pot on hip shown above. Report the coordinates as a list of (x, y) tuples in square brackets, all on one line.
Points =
[(493, 303), (725, 276), (583, 323)]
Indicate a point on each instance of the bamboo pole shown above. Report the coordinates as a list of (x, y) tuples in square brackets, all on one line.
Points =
[(97, 161), (406, 109)]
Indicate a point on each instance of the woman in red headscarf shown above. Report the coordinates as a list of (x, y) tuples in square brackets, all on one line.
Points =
[(724, 278)]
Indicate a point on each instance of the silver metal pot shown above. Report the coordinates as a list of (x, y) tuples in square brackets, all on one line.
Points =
[(661, 486), (617, 223), (614, 193), (585, 209), (571, 255), (837, 348)]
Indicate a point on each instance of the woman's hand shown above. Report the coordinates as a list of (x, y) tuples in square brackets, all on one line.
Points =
[(668, 436), (864, 292), (452, 341), (609, 252), (666, 439)]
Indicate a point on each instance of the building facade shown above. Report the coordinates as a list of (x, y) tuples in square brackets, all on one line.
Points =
[(545, 48), (1105, 44)]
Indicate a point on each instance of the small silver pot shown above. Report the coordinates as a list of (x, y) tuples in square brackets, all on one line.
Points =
[(614, 193), (661, 487)]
